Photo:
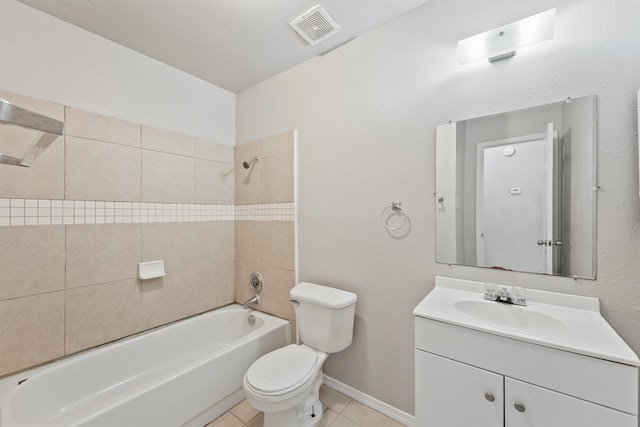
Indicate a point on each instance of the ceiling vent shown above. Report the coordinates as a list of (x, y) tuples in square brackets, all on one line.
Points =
[(315, 25)]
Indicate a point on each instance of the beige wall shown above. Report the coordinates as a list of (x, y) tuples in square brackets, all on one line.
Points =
[(263, 244), (47, 58), (104, 197), (369, 139)]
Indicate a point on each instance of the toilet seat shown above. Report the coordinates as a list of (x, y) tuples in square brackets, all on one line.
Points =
[(283, 370)]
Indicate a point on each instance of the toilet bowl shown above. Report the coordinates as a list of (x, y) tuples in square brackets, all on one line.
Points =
[(285, 384)]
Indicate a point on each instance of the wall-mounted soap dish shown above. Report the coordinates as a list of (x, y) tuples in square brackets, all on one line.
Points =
[(151, 270)]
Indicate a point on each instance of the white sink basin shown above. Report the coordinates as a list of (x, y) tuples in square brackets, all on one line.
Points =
[(566, 322), (509, 315)]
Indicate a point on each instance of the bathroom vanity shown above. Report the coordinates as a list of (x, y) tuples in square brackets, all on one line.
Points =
[(553, 362)]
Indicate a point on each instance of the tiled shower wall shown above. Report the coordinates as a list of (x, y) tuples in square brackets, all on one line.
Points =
[(106, 196), (262, 244)]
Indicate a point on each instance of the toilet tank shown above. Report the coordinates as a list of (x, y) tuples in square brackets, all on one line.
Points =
[(325, 316)]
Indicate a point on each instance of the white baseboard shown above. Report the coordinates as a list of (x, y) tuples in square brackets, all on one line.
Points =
[(372, 402)]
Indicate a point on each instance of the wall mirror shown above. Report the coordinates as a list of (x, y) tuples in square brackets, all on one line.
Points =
[(517, 190)]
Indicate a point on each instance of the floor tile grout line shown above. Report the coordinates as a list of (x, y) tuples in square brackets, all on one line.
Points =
[(339, 414), (236, 417)]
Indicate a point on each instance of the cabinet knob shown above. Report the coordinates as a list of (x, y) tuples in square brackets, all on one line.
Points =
[(519, 407), (489, 396)]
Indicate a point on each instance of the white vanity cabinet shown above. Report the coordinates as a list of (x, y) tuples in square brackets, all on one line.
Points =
[(454, 394), (528, 405), (472, 371)]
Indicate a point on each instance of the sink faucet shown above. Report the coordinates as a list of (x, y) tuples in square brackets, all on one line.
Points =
[(508, 294), (254, 300)]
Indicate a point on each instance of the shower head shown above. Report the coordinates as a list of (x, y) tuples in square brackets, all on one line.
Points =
[(248, 164)]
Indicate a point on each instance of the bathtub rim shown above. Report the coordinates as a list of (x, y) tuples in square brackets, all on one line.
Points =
[(10, 382)]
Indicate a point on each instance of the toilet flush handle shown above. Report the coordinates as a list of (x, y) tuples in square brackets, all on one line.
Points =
[(296, 303)]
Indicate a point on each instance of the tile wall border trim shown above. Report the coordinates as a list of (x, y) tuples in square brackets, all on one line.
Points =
[(22, 212), (266, 212)]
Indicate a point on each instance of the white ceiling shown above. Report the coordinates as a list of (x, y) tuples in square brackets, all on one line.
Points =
[(233, 44)]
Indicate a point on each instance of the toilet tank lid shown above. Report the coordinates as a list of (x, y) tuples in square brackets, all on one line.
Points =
[(323, 296)]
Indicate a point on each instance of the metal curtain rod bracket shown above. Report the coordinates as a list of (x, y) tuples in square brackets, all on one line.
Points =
[(11, 114)]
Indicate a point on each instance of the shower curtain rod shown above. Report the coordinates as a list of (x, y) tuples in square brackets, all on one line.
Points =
[(11, 114)]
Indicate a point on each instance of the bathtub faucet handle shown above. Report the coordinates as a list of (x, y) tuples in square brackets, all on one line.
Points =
[(252, 301)]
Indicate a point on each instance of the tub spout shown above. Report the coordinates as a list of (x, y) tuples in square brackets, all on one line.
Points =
[(252, 301)]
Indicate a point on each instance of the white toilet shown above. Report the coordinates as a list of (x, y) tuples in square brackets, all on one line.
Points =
[(285, 383)]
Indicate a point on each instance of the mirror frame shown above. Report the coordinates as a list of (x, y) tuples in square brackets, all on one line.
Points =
[(446, 134)]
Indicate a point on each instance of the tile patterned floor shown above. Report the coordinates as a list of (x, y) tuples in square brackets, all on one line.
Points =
[(340, 411)]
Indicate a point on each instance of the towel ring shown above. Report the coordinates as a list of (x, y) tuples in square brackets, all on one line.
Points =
[(398, 209)]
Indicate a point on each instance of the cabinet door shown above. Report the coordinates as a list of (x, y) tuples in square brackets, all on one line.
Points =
[(539, 407), (452, 394)]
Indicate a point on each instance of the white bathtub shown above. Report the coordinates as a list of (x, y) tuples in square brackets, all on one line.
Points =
[(183, 374)]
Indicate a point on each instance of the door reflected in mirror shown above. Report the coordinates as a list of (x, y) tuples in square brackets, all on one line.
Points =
[(516, 191)]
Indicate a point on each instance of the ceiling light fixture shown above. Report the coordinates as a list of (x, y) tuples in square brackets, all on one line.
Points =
[(502, 42)]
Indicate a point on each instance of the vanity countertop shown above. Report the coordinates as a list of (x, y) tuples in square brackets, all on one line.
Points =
[(562, 321)]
